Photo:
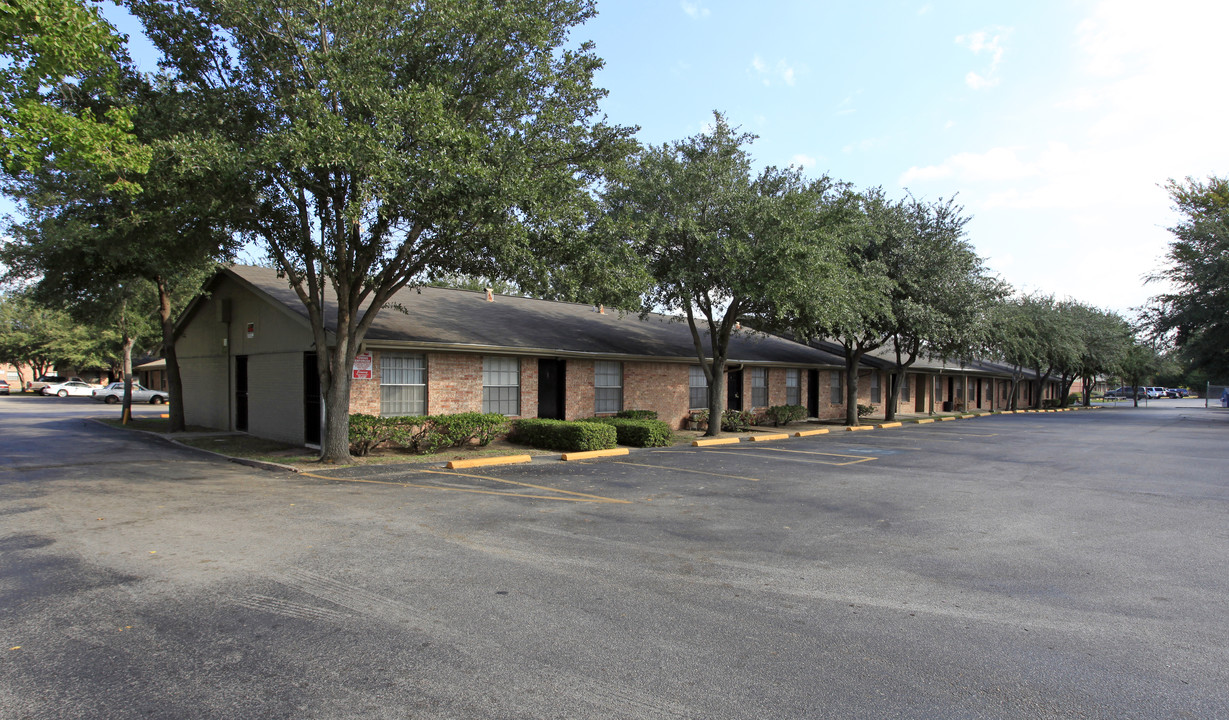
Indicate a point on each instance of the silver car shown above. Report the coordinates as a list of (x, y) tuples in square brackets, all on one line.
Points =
[(114, 393)]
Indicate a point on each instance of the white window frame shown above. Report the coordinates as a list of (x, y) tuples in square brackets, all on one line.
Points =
[(501, 385), (793, 386), (607, 386), (759, 387), (403, 384), (695, 372)]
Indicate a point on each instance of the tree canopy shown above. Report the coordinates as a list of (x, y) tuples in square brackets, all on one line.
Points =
[(1195, 315), (392, 142)]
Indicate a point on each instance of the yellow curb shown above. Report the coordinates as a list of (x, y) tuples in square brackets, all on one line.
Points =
[(714, 441), (763, 438), (593, 454), (966, 417), (808, 433), (888, 425), (945, 419), (165, 416), (854, 428), (924, 421), (483, 462)]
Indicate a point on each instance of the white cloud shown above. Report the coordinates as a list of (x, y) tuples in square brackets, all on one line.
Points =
[(781, 72), (988, 42), (803, 161), (694, 9)]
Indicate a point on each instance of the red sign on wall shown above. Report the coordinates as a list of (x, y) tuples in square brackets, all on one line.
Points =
[(362, 366)]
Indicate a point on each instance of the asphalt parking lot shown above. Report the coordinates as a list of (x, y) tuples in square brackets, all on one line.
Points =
[(1057, 565)]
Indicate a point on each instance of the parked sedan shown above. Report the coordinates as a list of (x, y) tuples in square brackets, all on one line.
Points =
[(1177, 393), (114, 393), (75, 388), (4, 387)]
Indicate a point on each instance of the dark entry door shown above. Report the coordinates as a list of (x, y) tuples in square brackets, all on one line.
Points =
[(552, 380), (734, 390), (311, 400), (813, 393), (919, 392), (241, 392)]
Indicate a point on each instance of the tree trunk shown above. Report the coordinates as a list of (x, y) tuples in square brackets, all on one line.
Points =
[(175, 409), (716, 398), (335, 388), (851, 386), (126, 412), (894, 381), (1087, 399)]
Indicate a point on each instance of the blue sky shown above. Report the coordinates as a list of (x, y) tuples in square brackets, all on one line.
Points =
[(1053, 122)]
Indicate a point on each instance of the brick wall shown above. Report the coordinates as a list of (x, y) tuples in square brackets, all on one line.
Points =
[(529, 387), (365, 394), (454, 383), (579, 392), (657, 386)]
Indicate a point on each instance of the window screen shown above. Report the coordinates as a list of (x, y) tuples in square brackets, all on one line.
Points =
[(793, 386), (904, 389), (501, 385), (838, 395), (875, 392), (759, 387), (403, 385), (607, 386), (699, 387)]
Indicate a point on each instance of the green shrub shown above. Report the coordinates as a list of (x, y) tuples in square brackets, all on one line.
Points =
[(366, 432), (563, 435), (638, 433), (785, 414), (637, 414), (447, 431), (864, 410), (737, 420)]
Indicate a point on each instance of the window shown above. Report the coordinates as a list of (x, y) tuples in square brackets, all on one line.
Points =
[(838, 395), (501, 385), (607, 386), (904, 389), (793, 386), (699, 388), (875, 392), (759, 387), (403, 385)]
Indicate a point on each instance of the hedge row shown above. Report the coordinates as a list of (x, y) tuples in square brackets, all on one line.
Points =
[(564, 435), (424, 433), (638, 433)]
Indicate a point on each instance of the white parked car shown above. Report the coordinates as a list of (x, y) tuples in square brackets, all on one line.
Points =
[(114, 393), (75, 388)]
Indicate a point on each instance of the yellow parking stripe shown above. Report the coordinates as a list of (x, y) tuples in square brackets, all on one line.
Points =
[(582, 496), (861, 458), (686, 470), (594, 498)]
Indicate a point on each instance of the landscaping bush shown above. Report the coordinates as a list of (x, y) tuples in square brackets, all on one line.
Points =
[(785, 414), (637, 414), (638, 433), (456, 430), (737, 420), (864, 410), (563, 435), (424, 434)]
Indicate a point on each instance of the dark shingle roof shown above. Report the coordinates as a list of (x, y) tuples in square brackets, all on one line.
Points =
[(462, 319)]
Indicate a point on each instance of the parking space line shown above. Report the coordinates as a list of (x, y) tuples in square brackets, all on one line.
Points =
[(687, 470), (811, 452), (938, 433), (586, 496), (861, 459), (582, 496)]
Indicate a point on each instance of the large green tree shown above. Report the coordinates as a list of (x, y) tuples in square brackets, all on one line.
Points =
[(941, 292), (392, 141), (721, 243), (59, 62), (1194, 316)]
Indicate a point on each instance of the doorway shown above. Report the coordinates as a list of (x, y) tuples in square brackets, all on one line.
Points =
[(311, 400), (734, 390), (920, 392), (241, 393), (813, 393), (552, 383)]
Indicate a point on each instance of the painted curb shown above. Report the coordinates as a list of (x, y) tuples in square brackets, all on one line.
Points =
[(714, 441), (765, 438), (855, 428), (593, 454), (923, 421), (483, 462), (881, 426), (945, 419), (809, 433)]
